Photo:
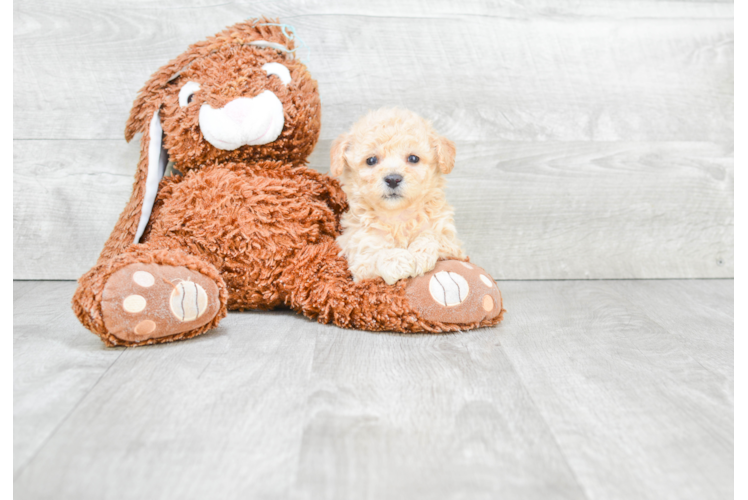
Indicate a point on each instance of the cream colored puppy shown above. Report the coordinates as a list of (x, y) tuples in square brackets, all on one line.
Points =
[(391, 165)]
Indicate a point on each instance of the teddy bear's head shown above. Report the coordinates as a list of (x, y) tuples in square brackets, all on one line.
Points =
[(241, 95)]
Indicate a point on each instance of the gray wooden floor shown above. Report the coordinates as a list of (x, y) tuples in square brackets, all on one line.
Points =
[(588, 390)]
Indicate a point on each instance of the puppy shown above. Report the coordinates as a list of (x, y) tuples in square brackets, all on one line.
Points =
[(391, 165)]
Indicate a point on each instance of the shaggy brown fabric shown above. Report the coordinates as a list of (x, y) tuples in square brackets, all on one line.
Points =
[(254, 220)]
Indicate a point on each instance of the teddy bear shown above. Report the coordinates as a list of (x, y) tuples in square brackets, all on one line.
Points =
[(225, 214)]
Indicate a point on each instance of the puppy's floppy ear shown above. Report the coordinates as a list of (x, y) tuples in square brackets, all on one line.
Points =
[(445, 154), (337, 154)]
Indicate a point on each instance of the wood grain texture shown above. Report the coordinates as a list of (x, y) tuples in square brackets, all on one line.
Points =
[(594, 137), (65, 194), (422, 417), (737, 29), (523, 210), (541, 70), (214, 418), (624, 389), (53, 369), (587, 390), (739, 390), (738, 168)]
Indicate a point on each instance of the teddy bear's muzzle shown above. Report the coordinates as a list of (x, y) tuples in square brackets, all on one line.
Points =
[(246, 121)]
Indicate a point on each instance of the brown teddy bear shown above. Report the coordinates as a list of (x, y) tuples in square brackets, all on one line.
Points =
[(243, 223)]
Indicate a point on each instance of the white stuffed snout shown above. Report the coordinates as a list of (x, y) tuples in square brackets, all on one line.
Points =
[(246, 121)]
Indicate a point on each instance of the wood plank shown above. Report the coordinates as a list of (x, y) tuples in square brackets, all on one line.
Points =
[(737, 29), (741, 333), (54, 366), (625, 391), (737, 167), (558, 71), (588, 389), (596, 211), (67, 196), (232, 414), (711, 313), (524, 210), (422, 417), (739, 390), (215, 417)]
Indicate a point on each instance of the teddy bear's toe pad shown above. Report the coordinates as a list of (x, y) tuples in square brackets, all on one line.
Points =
[(455, 292), (146, 301)]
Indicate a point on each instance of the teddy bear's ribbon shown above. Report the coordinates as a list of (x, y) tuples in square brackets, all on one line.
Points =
[(290, 33)]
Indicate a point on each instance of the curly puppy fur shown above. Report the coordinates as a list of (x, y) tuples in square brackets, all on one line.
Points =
[(399, 223), (254, 219)]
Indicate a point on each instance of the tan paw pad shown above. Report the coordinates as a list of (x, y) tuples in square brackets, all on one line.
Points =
[(486, 281), (145, 327), (134, 303), (188, 301), (448, 289), (487, 303), (143, 278)]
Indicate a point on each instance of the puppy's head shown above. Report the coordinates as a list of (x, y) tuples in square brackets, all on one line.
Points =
[(391, 159)]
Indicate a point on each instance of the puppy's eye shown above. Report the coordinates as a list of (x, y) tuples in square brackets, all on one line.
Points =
[(187, 92), (413, 159), (371, 161)]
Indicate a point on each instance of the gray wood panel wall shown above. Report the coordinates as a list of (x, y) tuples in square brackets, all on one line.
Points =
[(595, 138)]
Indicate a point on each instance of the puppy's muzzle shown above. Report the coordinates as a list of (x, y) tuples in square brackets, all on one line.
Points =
[(246, 121)]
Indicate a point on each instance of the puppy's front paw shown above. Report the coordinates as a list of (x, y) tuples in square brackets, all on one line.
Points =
[(426, 254), (425, 262), (395, 264)]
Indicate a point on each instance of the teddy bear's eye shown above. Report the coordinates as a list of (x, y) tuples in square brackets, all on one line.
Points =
[(278, 70), (371, 161), (413, 159), (186, 93)]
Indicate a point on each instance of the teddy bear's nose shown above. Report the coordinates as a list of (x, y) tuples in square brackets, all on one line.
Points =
[(393, 180), (245, 121), (238, 109)]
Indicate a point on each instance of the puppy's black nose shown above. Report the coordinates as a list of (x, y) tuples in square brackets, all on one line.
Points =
[(393, 180)]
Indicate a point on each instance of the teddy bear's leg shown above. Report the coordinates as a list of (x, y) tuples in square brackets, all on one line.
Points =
[(453, 296), (147, 296)]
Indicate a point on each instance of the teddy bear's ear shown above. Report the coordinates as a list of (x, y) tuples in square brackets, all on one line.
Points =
[(151, 96), (445, 154), (145, 118), (337, 154)]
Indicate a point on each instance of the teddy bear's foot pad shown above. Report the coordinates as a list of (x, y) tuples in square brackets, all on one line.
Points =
[(455, 292), (147, 301)]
